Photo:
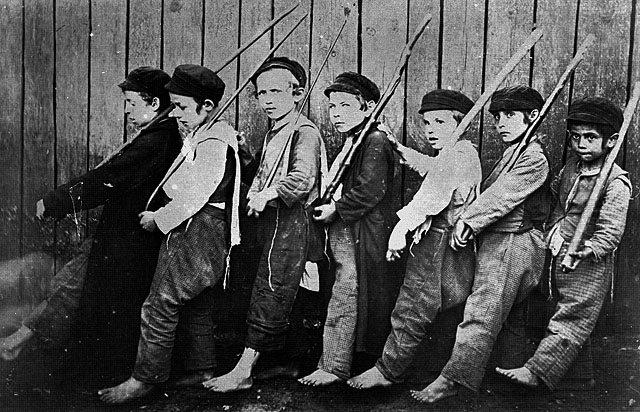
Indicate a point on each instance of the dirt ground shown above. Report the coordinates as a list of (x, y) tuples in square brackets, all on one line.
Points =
[(32, 384)]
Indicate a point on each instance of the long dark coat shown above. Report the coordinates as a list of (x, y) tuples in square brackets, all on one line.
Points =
[(366, 205), (123, 256)]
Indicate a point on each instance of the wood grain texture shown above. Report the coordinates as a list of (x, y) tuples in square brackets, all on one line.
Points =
[(182, 27)]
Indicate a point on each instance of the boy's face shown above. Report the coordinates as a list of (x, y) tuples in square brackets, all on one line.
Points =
[(345, 111), (586, 142), (275, 93), (439, 126), (511, 124), (139, 112), (186, 113)]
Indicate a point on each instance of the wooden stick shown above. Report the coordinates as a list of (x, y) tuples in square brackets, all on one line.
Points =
[(255, 38), (562, 81), (384, 99), (569, 262)]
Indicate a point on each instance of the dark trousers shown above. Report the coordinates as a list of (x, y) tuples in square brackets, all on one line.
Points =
[(191, 262), (283, 232)]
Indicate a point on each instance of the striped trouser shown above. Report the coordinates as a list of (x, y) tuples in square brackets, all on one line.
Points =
[(342, 313)]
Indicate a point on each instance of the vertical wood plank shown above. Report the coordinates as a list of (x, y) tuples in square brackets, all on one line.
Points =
[(182, 33), (328, 17), (422, 76), (39, 132), (72, 98), (251, 119), (463, 52), (382, 44), (145, 33), (509, 23), (106, 116), (11, 81), (627, 285), (552, 54), (220, 41)]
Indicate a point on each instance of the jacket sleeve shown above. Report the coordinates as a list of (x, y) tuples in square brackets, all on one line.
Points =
[(304, 164), (135, 165), (194, 192), (370, 184), (611, 220), (508, 191)]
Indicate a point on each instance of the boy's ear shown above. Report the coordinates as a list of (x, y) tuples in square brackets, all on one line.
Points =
[(208, 105), (155, 104), (534, 115), (298, 94), (370, 105), (611, 141)]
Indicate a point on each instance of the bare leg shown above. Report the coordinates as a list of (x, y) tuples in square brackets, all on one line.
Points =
[(369, 379), (125, 392), (239, 378), (438, 390), (11, 346), (320, 378), (521, 375)]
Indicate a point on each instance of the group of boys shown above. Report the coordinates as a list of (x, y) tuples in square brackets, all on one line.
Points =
[(471, 240)]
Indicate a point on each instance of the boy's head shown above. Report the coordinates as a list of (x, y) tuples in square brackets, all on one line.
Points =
[(514, 109), (279, 85), (593, 124), (442, 110), (144, 94), (195, 92), (352, 97)]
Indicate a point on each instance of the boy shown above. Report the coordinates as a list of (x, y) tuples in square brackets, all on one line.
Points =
[(287, 180), (437, 277), (593, 125), (104, 286), (506, 218), (359, 216), (201, 186)]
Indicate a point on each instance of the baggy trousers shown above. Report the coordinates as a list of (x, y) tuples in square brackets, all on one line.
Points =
[(508, 267), (437, 278), (191, 261), (284, 233), (581, 296)]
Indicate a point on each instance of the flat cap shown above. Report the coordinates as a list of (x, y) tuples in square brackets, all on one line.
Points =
[(196, 81), (354, 83), (516, 98), (442, 99), (146, 79), (596, 110), (282, 63)]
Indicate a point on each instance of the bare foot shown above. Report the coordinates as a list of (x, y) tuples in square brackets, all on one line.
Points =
[(521, 375), (11, 346), (320, 378), (438, 390), (231, 382), (369, 379), (125, 392)]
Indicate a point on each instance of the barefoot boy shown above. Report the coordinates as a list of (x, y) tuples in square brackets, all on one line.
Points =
[(593, 125), (200, 187), (364, 291), (506, 217), (437, 277), (286, 182), (104, 287)]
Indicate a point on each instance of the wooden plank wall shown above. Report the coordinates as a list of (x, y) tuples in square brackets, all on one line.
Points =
[(62, 111)]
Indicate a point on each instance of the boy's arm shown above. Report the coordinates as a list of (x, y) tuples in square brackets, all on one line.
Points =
[(612, 218), (508, 191), (304, 166), (207, 173), (139, 162), (370, 185)]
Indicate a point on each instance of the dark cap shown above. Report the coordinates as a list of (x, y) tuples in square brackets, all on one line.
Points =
[(354, 83), (146, 79), (441, 99), (596, 110), (516, 98), (292, 66), (196, 81)]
